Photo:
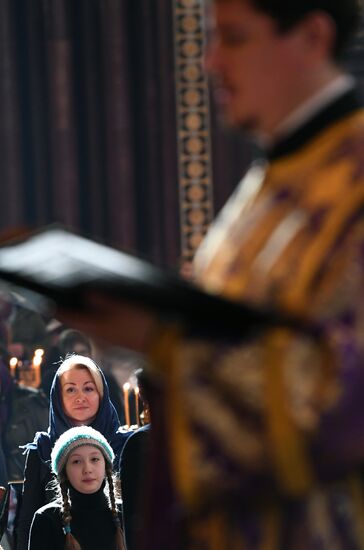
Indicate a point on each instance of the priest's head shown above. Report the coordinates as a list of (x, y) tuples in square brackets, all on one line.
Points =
[(266, 57)]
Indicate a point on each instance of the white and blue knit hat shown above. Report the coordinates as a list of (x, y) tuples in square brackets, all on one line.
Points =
[(74, 438)]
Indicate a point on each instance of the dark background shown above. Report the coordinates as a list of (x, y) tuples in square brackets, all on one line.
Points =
[(88, 122)]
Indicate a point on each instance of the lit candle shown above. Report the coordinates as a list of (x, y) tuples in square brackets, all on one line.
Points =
[(21, 373), (136, 392), (126, 388), (37, 359), (13, 364)]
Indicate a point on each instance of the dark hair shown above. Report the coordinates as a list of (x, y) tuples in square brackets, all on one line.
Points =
[(287, 13), (69, 338)]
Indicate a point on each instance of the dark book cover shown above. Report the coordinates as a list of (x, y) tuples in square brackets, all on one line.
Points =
[(65, 267)]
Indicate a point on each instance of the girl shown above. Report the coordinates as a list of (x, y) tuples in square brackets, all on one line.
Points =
[(79, 395), (83, 517)]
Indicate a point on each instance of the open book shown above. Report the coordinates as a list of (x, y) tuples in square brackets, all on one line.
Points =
[(65, 267)]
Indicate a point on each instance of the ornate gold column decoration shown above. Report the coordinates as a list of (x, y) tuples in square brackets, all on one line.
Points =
[(193, 126)]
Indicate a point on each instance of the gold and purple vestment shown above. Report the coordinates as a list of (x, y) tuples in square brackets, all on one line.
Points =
[(266, 431)]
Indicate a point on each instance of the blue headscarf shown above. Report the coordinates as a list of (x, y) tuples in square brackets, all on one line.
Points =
[(106, 422)]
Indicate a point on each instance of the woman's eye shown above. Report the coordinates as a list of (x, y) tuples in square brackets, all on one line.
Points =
[(70, 390), (89, 389), (95, 459)]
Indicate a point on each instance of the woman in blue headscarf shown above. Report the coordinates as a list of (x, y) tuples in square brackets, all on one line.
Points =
[(79, 396)]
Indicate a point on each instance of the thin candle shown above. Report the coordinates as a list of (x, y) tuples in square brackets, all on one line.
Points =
[(37, 359), (126, 388), (136, 393), (13, 363)]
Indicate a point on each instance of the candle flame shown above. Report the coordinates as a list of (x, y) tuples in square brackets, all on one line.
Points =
[(37, 359), (126, 386), (13, 361)]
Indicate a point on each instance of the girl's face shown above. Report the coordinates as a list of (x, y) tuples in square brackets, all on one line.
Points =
[(85, 469), (80, 398)]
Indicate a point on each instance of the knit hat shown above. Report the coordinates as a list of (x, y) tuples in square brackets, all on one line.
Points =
[(74, 438)]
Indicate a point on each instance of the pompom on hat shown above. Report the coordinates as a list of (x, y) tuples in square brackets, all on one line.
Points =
[(77, 437)]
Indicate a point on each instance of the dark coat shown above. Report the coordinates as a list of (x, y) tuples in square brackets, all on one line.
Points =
[(28, 413), (36, 477), (133, 465), (92, 524)]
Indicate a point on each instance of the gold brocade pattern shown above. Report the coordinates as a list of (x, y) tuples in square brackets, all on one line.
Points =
[(286, 238), (258, 261), (278, 259), (247, 386), (193, 126)]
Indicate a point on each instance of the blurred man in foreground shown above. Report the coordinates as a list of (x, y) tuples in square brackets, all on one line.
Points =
[(265, 432)]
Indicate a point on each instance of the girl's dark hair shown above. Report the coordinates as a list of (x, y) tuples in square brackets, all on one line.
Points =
[(119, 536), (71, 543)]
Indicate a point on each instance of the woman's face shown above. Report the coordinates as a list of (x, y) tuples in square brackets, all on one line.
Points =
[(85, 469), (80, 398)]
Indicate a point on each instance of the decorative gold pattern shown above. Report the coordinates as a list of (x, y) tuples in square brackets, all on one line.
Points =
[(237, 440), (193, 126), (286, 242)]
